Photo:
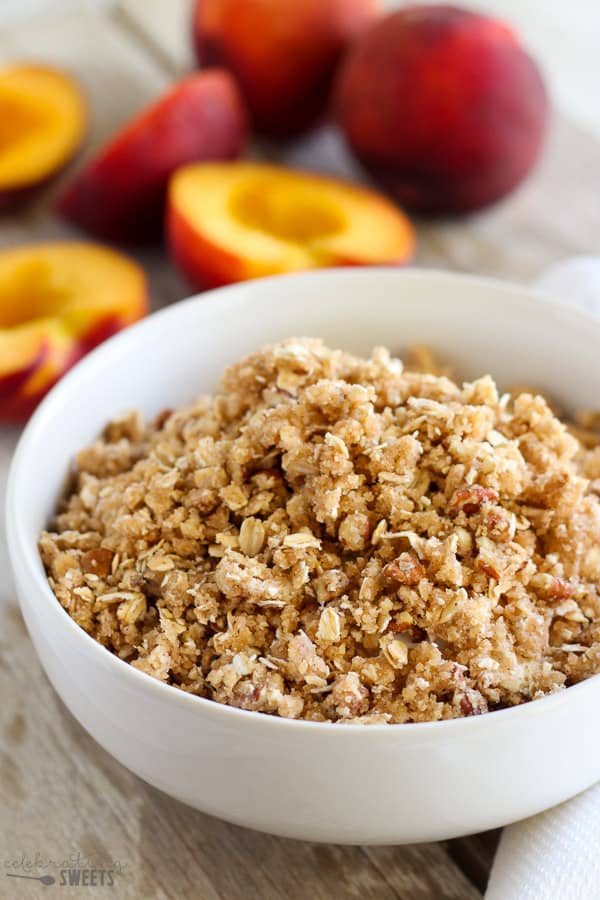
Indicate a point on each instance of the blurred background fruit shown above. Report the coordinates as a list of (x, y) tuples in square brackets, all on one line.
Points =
[(120, 194), (57, 302), (43, 119), (284, 53), (443, 107)]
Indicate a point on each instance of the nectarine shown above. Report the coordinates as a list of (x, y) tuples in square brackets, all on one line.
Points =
[(232, 221), (283, 53), (57, 302), (120, 194), (443, 107), (42, 122)]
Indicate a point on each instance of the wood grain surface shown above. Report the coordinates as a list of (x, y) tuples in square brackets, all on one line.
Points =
[(60, 794)]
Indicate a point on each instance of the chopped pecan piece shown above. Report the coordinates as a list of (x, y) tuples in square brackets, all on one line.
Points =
[(418, 634), (162, 418), (489, 570), (471, 703), (97, 562), (405, 569), (560, 589), (470, 499), (499, 524), (400, 623)]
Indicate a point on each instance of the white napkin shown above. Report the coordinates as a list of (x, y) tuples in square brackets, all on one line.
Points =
[(553, 856), (556, 855), (575, 281)]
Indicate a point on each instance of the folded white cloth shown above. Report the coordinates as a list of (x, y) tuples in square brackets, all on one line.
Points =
[(575, 281), (556, 855), (553, 856)]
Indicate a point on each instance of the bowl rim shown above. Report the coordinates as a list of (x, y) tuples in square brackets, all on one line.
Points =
[(26, 556)]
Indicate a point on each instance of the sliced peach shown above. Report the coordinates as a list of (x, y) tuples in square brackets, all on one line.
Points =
[(42, 123), (232, 221), (57, 302), (120, 194)]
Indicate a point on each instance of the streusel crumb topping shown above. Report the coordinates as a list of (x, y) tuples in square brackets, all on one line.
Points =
[(339, 539)]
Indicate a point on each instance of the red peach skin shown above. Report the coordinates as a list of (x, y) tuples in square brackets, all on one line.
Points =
[(120, 194), (443, 107), (283, 53), (59, 301)]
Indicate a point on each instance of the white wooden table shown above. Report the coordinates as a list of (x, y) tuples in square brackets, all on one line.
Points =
[(59, 793)]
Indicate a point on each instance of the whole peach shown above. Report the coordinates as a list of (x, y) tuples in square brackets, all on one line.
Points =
[(284, 53), (443, 107)]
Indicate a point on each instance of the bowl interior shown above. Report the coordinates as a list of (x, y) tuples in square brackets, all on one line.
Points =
[(480, 326)]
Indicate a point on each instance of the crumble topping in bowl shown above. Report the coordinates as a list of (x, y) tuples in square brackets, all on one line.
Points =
[(339, 539)]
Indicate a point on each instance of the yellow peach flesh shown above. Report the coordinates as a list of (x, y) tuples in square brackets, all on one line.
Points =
[(42, 121), (281, 220), (53, 295)]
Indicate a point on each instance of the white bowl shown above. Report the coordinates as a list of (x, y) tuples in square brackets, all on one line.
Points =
[(349, 784)]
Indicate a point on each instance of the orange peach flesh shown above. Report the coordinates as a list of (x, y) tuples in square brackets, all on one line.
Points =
[(42, 122), (53, 297), (248, 220)]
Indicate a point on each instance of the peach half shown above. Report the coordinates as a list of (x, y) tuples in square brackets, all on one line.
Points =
[(42, 123), (57, 302), (231, 222)]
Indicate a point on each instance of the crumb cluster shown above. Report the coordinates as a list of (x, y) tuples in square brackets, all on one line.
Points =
[(339, 539)]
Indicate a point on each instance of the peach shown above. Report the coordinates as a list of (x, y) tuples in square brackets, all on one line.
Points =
[(233, 221), (42, 123), (283, 53), (57, 302), (120, 194), (443, 107)]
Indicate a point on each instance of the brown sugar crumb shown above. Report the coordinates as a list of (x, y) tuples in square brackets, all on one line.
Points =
[(340, 539)]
